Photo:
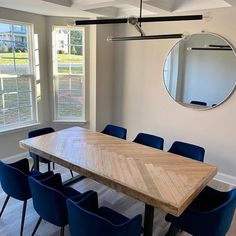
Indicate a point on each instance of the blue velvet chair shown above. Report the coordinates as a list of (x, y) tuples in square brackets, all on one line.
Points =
[(36, 133), (115, 131), (188, 150), (49, 200), (149, 140), (210, 214), (198, 103), (14, 181), (86, 218)]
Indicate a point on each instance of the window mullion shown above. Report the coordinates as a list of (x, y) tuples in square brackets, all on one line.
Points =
[(14, 51), (70, 95), (3, 102), (18, 100)]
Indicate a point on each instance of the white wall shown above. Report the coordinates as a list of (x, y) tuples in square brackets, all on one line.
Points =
[(142, 104), (105, 76)]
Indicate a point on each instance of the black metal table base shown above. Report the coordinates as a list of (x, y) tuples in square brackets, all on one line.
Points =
[(65, 183), (36, 163), (73, 180), (148, 220)]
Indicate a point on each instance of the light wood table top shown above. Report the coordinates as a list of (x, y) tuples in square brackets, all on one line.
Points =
[(160, 179)]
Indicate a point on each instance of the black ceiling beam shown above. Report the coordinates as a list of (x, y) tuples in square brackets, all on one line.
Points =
[(101, 21), (143, 19)]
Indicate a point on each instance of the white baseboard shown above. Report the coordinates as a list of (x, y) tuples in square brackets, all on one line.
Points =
[(16, 157), (228, 179)]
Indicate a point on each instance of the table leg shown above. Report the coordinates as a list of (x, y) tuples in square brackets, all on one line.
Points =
[(148, 220), (36, 163)]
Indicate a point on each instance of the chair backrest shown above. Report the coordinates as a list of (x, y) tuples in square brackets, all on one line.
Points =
[(14, 181), (229, 210), (215, 210), (83, 220), (211, 213), (39, 132), (48, 202), (222, 215), (198, 103), (149, 140), (188, 150), (115, 131)]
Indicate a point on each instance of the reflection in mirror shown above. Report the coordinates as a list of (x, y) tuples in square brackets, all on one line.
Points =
[(200, 71)]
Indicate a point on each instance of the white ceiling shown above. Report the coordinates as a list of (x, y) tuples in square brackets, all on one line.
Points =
[(112, 8)]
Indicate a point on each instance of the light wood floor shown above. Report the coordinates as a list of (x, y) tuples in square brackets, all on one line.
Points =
[(10, 220)]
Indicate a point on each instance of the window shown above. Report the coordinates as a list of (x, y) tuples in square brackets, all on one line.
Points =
[(68, 74), (17, 103)]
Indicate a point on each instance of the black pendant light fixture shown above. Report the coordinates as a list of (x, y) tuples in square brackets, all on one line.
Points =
[(137, 23)]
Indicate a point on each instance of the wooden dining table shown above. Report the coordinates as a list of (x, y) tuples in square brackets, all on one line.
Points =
[(159, 179)]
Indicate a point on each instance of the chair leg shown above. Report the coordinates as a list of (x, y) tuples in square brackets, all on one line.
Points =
[(173, 230), (71, 173), (37, 225), (23, 218), (62, 231), (4, 205)]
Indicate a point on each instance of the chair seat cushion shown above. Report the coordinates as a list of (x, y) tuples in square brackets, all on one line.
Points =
[(112, 216)]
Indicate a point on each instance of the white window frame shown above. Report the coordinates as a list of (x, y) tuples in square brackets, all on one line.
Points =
[(56, 118), (34, 120)]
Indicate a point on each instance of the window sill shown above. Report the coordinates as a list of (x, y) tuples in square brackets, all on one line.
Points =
[(70, 121), (19, 129)]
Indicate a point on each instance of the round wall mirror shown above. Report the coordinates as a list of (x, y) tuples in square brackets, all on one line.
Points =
[(200, 71)]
